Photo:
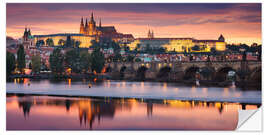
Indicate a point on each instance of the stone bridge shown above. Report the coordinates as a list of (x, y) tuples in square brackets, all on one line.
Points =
[(186, 70)]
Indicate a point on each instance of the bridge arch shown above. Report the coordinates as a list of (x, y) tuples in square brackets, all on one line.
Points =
[(256, 74), (221, 74), (122, 70), (141, 72), (164, 72), (190, 72), (207, 73)]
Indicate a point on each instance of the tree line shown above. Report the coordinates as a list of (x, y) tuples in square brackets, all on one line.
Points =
[(78, 60)]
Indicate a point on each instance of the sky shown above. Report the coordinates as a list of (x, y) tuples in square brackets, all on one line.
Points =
[(237, 22)]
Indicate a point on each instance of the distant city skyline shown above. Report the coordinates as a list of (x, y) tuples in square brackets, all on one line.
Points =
[(239, 23)]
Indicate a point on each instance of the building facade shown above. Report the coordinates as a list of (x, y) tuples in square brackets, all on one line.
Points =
[(88, 31), (178, 44)]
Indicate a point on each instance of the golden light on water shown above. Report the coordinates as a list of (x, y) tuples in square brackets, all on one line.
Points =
[(69, 82), (164, 87)]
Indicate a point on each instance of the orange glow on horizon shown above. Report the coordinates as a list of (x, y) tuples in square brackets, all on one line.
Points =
[(237, 31)]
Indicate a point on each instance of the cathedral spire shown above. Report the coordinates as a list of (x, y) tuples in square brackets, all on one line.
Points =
[(92, 17), (100, 22), (82, 21), (86, 23), (82, 31), (29, 32), (149, 34), (221, 38)]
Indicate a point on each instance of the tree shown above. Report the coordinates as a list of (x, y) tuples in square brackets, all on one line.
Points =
[(85, 60), (97, 60), (130, 58), (94, 44), (137, 48), (21, 58), (36, 63), (61, 42), (30, 65), (77, 44), (161, 50), (115, 46), (196, 48), (72, 59), (40, 43), (148, 48), (244, 56), (213, 50), (70, 42), (259, 50), (11, 63), (49, 42), (56, 61)]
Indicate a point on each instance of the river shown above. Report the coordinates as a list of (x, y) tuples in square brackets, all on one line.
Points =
[(121, 105)]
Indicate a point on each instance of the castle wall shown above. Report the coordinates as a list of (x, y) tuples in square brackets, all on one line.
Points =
[(178, 45), (85, 40)]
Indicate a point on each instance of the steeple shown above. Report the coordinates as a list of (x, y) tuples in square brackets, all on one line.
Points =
[(92, 17), (82, 21), (100, 22), (29, 32), (149, 34), (82, 31), (221, 38), (86, 23)]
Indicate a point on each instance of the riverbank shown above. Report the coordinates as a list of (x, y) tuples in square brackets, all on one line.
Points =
[(244, 85)]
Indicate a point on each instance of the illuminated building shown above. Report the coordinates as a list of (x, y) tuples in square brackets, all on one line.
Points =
[(178, 44), (88, 31), (27, 39)]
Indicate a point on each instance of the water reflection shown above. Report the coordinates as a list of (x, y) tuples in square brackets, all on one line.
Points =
[(107, 113)]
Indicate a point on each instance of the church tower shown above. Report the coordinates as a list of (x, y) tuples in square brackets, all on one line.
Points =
[(99, 23), (86, 27), (150, 34), (92, 25), (82, 27), (221, 38)]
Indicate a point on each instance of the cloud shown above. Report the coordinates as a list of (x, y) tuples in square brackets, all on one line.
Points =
[(62, 17)]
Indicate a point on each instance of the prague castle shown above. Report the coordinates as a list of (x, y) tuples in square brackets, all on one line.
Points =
[(178, 44), (89, 30)]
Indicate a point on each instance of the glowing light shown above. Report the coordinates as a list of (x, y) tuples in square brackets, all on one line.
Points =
[(193, 89), (15, 81), (69, 82), (103, 70), (226, 92), (68, 71), (164, 86)]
